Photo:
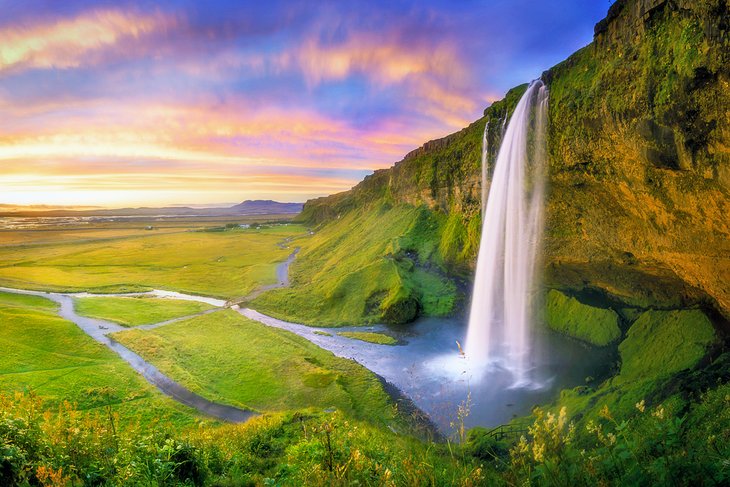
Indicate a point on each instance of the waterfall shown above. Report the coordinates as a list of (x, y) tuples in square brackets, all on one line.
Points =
[(485, 167), (500, 320)]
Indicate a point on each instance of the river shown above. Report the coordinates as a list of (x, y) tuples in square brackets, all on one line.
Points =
[(425, 364)]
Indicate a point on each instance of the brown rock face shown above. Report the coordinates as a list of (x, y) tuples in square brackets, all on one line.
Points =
[(639, 154)]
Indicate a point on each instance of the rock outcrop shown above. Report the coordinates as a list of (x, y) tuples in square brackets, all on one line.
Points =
[(639, 155)]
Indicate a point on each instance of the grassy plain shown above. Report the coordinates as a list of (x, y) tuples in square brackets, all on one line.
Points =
[(135, 311), (224, 264), (227, 357), (369, 337), (53, 358)]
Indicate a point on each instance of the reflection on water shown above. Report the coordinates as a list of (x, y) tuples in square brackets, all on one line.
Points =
[(426, 366)]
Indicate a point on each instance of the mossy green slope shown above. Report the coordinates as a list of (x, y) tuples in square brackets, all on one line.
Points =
[(639, 173), (567, 315), (382, 264), (660, 343), (658, 346)]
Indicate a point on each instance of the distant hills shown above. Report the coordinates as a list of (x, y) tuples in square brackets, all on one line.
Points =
[(248, 207)]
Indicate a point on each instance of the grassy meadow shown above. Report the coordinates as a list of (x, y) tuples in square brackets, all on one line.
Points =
[(371, 266), (226, 357), (138, 310), (218, 262), (53, 358)]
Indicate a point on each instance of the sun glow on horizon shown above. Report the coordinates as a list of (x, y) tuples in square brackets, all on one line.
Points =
[(132, 106)]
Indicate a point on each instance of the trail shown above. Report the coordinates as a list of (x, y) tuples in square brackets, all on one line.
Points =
[(282, 274)]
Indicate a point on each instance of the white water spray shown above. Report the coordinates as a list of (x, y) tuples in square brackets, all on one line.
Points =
[(500, 321)]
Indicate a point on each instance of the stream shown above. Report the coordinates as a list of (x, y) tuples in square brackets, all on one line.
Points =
[(425, 364), (100, 330), (427, 367)]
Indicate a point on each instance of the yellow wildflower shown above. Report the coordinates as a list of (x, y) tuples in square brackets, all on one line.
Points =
[(658, 413), (605, 413)]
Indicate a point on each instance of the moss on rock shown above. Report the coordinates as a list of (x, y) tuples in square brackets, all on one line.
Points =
[(399, 307), (567, 315)]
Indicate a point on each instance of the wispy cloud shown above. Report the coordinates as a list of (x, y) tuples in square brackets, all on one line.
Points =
[(70, 43), (228, 99)]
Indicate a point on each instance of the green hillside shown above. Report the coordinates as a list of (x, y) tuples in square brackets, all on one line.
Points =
[(639, 187)]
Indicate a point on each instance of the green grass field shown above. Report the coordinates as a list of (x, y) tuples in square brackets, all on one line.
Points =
[(227, 357), (135, 311), (224, 264), (51, 357), (369, 337)]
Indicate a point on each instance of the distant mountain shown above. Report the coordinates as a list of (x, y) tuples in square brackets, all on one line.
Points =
[(256, 207), (248, 207)]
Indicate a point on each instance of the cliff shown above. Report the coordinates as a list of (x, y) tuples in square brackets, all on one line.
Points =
[(639, 178)]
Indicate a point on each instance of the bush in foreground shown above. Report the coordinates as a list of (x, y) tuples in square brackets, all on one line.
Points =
[(673, 443)]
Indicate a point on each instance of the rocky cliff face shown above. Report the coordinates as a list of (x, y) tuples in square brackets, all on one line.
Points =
[(640, 160), (639, 155)]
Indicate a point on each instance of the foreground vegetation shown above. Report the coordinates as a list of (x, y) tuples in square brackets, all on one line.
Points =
[(135, 311), (191, 262), (653, 445)]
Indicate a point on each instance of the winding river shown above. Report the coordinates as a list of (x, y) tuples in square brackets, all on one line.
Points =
[(425, 364), (100, 330)]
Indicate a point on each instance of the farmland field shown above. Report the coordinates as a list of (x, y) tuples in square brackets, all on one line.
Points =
[(195, 258)]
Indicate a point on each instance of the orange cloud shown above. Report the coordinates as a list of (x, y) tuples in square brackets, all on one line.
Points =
[(384, 60), (233, 134), (73, 42)]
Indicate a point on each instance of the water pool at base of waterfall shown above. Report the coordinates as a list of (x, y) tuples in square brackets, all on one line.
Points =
[(427, 367)]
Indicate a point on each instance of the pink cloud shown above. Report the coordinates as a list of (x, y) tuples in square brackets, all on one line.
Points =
[(70, 43)]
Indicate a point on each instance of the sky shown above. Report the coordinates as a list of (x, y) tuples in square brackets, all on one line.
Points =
[(131, 103)]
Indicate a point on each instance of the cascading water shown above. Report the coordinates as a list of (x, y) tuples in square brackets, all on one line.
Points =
[(501, 310), (485, 167)]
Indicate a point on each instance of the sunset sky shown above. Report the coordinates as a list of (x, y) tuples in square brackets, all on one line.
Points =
[(148, 103)]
